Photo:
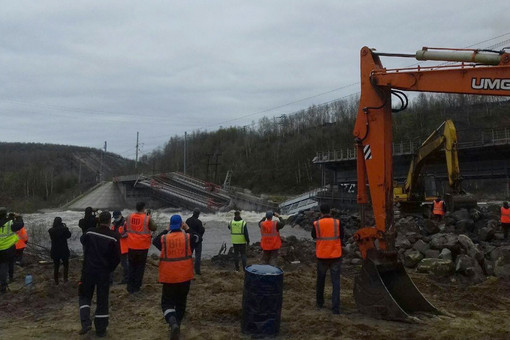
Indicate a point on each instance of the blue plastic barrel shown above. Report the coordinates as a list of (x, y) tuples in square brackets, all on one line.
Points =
[(262, 300)]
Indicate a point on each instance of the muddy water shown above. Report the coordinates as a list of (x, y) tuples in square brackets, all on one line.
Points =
[(215, 225)]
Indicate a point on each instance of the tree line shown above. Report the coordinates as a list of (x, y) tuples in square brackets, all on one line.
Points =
[(275, 155)]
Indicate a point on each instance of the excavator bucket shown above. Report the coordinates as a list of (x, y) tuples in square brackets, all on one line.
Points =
[(384, 290)]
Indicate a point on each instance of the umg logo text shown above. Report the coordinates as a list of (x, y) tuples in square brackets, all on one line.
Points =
[(490, 84)]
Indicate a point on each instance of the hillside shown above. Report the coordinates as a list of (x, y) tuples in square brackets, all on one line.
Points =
[(34, 176)]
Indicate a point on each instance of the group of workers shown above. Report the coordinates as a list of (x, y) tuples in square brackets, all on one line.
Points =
[(108, 242)]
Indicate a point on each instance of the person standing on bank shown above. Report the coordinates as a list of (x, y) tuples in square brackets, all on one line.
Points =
[(138, 227), (101, 255), (438, 209), (118, 226), (328, 234), (59, 234), (8, 239), (195, 225), (175, 270), (88, 221), (505, 219), (270, 240), (240, 239), (20, 247)]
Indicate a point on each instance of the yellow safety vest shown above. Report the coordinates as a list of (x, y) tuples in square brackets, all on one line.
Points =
[(8, 238), (237, 232)]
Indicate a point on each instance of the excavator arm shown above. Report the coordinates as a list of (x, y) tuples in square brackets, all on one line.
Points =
[(383, 289), (445, 136)]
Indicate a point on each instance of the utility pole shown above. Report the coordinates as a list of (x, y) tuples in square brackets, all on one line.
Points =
[(101, 163), (185, 150), (136, 152)]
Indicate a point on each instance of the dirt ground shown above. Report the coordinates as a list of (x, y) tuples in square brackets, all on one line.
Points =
[(215, 304)]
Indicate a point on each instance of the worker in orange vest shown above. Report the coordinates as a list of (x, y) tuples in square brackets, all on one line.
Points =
[(138, 227), (328, 234), (438, 208), (20, 246), (118, 226), (176, 244), (270, 240), (505, 218)]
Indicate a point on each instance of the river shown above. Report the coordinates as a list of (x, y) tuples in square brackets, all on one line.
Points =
[(216, 231)]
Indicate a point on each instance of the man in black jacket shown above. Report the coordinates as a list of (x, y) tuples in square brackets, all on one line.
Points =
[(88, 221), (101, 255), (196, 226)]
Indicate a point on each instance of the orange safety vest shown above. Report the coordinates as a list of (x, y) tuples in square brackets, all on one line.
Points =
[(438, 208), (175, 262), (270, 239), (505, 215), (22, 238), (327, 242), (137, 228), (123, 240)]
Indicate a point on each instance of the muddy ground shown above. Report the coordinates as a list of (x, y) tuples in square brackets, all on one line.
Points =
[(481, 311)]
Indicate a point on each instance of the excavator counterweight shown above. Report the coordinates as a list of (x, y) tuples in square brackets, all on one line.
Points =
[(383, 289)]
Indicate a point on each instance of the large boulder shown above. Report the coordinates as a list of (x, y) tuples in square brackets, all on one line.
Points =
[(465, 225), (431, 253), (412, 257), (446, 254), (421, 246), (438, 267), (470, 248), (407, 224), (441, 240), (469, 267), (502, 262), (431, 227), (402, 242), (461, 214), (486, 233), (413, 237)]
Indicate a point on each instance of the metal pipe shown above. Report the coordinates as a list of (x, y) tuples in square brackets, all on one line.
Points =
[(462, 56)]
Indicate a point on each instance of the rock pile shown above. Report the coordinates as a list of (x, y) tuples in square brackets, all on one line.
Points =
[(466, 244)]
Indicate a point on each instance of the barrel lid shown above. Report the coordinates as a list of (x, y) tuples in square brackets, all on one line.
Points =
[(264, 269)]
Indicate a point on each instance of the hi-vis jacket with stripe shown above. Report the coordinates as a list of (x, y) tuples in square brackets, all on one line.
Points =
[(137, 228), (175, 262), (328, 238)]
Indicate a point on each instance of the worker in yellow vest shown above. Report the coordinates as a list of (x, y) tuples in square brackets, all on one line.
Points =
[(240, 239), (8, 239), (505, 219), (176, 244)]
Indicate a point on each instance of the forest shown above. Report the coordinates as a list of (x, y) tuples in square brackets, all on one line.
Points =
[(271, 156), (275, 155)]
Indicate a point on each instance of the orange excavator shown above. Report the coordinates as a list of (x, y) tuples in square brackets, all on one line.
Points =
[(383, 289)]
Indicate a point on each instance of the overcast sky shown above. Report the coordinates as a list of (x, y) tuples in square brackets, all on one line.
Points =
[(85, 72)]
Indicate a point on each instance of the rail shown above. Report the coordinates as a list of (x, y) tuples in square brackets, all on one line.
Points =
[(487, 138)]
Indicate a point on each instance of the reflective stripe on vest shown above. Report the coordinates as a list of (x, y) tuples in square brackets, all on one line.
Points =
[(8, 238), (328, 244), (176, 264), (270, 237), (438, 208), (237, 232), (139, 234), (505, 215)]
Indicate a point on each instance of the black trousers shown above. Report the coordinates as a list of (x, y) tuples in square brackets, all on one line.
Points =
[(335, 267), (18, 256), (506, 227), (5, 258), (137, 259), (270, 256), (56, 268), (99, 282), (173, 300), (239, 250)]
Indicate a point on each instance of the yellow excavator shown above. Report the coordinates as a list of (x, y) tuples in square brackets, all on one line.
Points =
[(412, 194)]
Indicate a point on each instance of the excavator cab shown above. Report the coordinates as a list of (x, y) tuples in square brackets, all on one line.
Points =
[(383, 288)]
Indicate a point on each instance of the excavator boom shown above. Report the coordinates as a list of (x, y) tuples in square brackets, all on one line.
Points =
[(383, 288)]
